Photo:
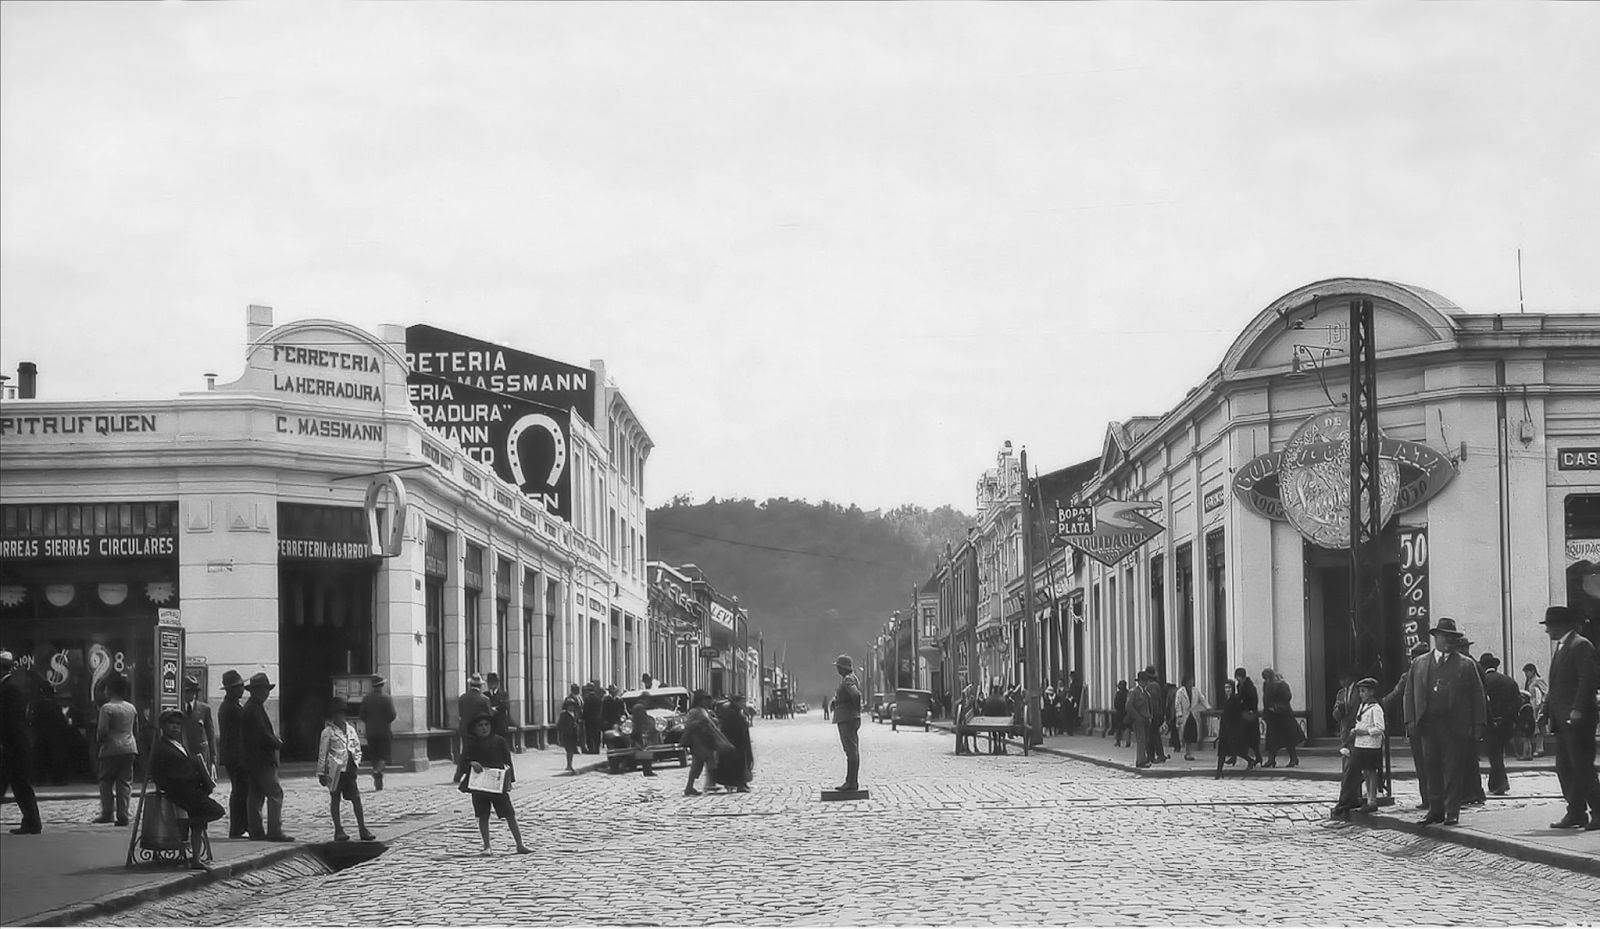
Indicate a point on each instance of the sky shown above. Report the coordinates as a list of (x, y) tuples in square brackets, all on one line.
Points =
[(828, 251)]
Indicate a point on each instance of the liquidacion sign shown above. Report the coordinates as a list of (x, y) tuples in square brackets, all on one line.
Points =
[(524, 442)]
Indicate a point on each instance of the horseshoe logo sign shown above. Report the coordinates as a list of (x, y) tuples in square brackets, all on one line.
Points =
[(558, 457)]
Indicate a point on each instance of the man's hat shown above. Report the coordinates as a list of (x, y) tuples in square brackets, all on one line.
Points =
[(191, 683), (260, 681), (1447, 627), (475, 681), (1146, 675), (1488, 662), (7, 658), (1560, 616), (231, 678), (169, 714), (843, 661), (1370, 683), (492, 676), (378, 681)]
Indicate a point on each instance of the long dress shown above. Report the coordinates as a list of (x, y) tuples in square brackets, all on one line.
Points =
[(1250, 735), (1282, 729), (733, 765)]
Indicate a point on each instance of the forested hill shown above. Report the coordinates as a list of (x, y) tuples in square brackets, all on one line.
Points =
[(818, 579)]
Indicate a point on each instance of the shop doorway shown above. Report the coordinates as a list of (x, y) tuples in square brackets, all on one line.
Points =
[(1330, 642), (324, 629)]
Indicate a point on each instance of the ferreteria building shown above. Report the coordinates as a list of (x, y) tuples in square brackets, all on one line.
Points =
[(413, 504), (1222, 531)]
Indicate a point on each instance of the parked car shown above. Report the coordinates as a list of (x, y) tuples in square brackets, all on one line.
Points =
[(667, 707), (910, 708), (802, 707), (880, 709)]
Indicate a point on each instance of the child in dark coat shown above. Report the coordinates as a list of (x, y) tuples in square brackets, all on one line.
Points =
[(483, 749)]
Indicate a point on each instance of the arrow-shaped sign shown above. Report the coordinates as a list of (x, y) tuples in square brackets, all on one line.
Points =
[(1107, 532)]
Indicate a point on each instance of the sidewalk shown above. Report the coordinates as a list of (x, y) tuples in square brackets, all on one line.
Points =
[(75, 869), (1517, 825)]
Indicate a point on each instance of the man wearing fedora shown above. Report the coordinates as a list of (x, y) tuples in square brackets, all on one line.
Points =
[(377, 717), (1570, 707), (847, 716), (258, 752), (199, 730), (469, 706), (230, 723), (1445, 716)]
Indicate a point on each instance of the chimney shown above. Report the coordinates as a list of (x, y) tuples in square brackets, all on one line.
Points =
[(27, 381)]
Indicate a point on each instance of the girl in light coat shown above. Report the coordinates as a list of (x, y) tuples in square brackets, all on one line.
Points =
[(338, 760), (1189, 707)]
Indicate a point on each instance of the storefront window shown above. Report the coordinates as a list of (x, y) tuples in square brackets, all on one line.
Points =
[(436, 562), (472, 587), (1582, 517)]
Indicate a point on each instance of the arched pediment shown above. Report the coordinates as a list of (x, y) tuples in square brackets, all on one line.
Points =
[(1317, 314)]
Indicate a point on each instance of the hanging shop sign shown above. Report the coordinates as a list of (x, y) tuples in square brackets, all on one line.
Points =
[(454, 357), (525, 443), (1578, 459), (323, 533), (1308, 482), (1108, 531), (1415, 620)]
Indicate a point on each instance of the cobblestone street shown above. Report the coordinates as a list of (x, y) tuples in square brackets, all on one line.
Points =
[(943, 839)]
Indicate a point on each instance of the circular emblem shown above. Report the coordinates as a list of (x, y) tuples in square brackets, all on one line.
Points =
[(1308, 482)]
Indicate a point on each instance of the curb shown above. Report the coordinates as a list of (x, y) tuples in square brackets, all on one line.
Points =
[(185, 881), (1555, 858)]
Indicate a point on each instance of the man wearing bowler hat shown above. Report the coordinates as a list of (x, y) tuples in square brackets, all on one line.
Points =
[(847, 716), (377, 716), (230, 723), (1445, 715), (1570, 707), (258, 751)]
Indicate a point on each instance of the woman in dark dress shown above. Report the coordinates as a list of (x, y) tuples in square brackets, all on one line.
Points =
[(184, 779), (1282, 730), (732, 769), (1250, 734), (1232, 731), (706, 742)]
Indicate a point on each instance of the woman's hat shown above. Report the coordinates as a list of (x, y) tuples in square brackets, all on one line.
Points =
[(1447, 628), (480, 718), (260, 681), (169, 714), (1559, 616)]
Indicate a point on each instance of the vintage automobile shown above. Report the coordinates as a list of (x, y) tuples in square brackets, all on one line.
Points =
[(880, 709), (910, 708), (666, 707)]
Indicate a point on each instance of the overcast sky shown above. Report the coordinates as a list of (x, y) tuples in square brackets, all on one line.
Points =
[(831, 251)]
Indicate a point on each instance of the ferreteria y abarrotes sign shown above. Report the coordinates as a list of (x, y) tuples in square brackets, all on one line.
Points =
[(1308, 482), (524, 442), (487, 366)]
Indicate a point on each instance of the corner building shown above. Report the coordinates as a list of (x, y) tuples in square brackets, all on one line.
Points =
[(243, 513), (1491, 490)]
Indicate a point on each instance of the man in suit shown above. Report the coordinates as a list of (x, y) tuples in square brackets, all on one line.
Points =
[(258, 752), (1445, 715), (1571, 711), (499, 707), (230, 722), (469, 706), (16, 743), (1504, 697), (199, 729)]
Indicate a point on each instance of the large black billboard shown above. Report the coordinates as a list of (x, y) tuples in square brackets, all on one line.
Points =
[(487, 366), (526, 443)]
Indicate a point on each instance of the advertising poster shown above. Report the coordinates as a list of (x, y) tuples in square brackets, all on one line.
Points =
[(454, 357), (525, 443)]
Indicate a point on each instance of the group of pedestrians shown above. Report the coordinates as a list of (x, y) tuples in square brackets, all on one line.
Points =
[(1063, 706), (1153, 716)]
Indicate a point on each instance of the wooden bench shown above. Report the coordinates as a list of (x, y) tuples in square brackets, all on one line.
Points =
[(996, 727)]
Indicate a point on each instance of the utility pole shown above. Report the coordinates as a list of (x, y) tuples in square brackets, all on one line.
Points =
[(1032, 657), (1366, 508)]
